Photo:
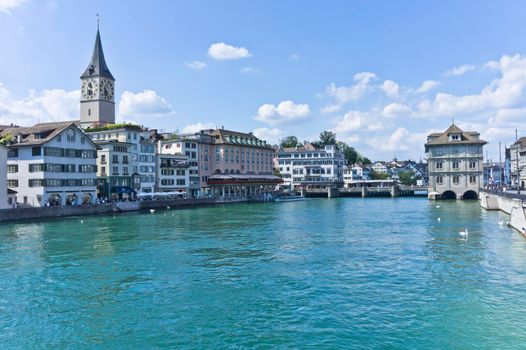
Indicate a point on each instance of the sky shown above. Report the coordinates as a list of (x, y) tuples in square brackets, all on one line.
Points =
[(381, 74)]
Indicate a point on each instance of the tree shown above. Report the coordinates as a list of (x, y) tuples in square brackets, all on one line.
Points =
[(364, 160), (349, 152), (379, 176), (327, 138), (276, 172), (289, 142), (407, 178)]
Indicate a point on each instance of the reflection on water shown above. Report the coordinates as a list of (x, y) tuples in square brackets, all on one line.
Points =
[(348, 273)]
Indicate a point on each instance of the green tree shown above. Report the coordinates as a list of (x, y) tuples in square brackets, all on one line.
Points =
[(277, 172), (364, 160), (327, 138), (349, 152), (289, 142), (379, 176), (407, 178)]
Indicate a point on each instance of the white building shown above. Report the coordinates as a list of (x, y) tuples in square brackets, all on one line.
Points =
[(351, 175), (379, 168), (114, 170), (308, 165), (455, 159), (51, 164), (3, 176), (145, 167), (172, 173), (189, 148)]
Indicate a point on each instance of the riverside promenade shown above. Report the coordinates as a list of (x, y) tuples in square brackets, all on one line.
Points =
[(510, 203)]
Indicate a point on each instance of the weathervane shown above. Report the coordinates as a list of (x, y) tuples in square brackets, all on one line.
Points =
[(97, 21)]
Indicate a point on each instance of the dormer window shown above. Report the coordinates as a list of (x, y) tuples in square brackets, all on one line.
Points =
[(454, 137)]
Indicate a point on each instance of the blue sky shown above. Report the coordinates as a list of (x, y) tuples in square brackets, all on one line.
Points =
[(381, 74)]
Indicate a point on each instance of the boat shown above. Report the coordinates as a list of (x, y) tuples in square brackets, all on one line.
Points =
[(289, 198)]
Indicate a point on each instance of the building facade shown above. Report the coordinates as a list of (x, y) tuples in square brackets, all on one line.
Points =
[(3, 176), (51, 164), (309, 165), (455, 163), (517, 151), (172, 174)]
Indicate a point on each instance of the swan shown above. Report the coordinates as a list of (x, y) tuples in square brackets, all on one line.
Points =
[(464, 233), (152, 211), (501, 223), (81, 221), (168, 207), (438, 219), (438, 206)]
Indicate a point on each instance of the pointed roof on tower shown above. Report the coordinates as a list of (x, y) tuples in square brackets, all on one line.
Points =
[(97, 66)]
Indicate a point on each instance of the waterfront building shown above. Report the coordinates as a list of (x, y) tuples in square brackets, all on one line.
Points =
[(455, 159), (145, 167), (518, 148), (311, 166), (51, 164), (172, 174), (3, 176), (97, 101), (351, 175)]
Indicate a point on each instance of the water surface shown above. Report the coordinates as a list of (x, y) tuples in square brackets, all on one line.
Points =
[(322, 273)]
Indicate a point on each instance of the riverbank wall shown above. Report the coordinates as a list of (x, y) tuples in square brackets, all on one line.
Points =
[(509, 203), (107, 208)]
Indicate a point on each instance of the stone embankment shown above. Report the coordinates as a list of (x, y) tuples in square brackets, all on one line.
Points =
[(80, 210), (510, 203)]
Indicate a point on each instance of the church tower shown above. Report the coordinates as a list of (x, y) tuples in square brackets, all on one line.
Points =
[(97, 103)]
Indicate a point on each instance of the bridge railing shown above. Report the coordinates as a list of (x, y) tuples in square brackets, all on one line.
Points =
[(504, 194)]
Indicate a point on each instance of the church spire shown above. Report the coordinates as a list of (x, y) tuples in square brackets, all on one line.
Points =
[(97, 66)]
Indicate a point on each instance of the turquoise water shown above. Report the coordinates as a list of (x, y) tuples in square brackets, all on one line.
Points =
[(340, 273)]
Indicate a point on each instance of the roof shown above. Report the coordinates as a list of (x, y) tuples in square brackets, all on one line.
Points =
[(230, 137), (466, 137), (97, 66), (39, 134), (218, 179)]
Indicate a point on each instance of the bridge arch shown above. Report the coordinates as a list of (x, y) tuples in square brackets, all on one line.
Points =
[(470, 195), (449, 195)]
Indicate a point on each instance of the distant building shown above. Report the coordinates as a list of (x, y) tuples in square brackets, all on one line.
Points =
[(517, 149), (311, 166), (3, 176), (455, 159), (351, 175), (379, 167), (172, 174), (51, 164)]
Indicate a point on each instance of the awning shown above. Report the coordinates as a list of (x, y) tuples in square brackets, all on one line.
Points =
[(122, 189)]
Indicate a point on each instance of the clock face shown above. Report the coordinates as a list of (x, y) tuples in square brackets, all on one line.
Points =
[(90, 89), (106, 89)]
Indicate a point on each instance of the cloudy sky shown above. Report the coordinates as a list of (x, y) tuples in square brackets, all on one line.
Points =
[(381, 74)]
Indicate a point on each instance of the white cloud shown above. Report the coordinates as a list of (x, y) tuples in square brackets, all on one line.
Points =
[(390, 88), (351, 121), (284, 113), (427, 85), (397, 141), (294, 57), (248, 70), (143, 105), (196, 65), (8, 5), (459, 70), (192, 128), (344, 94), (222, 51), (39, 106), (272, 136), (393, 110)]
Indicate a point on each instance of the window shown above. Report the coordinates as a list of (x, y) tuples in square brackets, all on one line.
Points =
[(36, 182), (167, 182), (71, 135), (440, 165), (36, 167), (103, 171), (12, 183), (59, 138), (12, 168), (472, 165), (89, 111), (181, 182), (125, 159), (455, 164), (115, 158), (115, 170), (13, 153), (103, 159), (125, 171), (472, 179), (456, 179), (36, 151)]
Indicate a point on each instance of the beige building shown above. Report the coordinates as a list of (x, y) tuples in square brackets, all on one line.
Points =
[(455, 159)]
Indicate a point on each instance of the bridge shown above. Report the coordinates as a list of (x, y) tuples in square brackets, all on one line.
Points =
[(382, 191)]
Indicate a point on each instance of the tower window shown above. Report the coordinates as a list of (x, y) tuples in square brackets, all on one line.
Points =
[(89, 111)]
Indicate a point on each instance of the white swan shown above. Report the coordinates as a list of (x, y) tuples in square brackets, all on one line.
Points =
[(438, 219), (152, 211), (501, 223), (464, 233), (438, 206), (168, 207)]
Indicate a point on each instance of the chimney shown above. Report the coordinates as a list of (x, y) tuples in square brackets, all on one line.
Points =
[(18, 138)]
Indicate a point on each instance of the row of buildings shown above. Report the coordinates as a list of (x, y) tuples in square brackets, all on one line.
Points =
[(93, 159)]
